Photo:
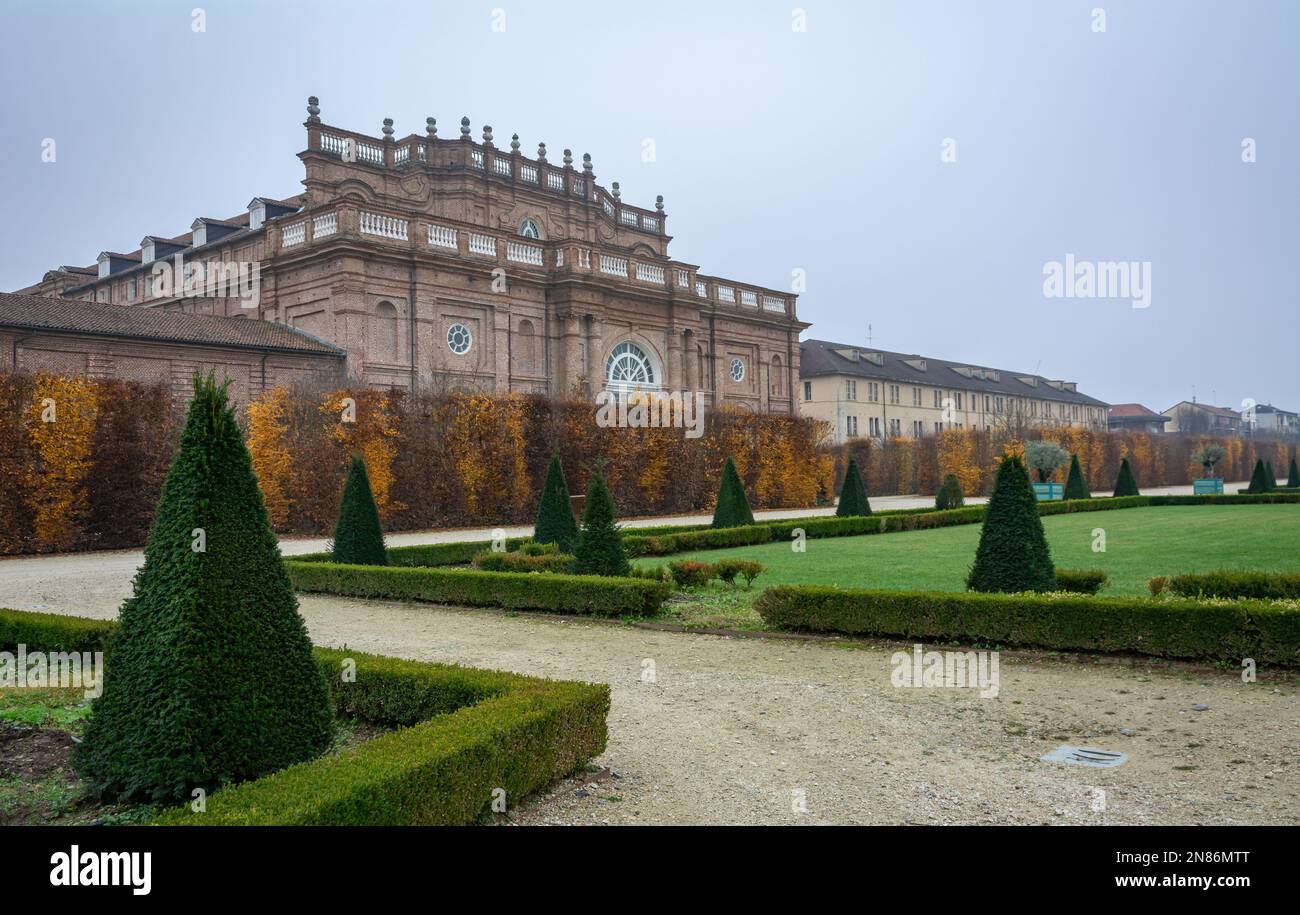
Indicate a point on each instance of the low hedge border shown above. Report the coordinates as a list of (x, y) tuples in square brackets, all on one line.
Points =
[(1228, 583), (464, 733), (1269, 633), (552, 592)]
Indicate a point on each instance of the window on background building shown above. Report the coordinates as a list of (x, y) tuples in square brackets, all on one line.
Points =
[(101, 294), (916, 397), (986, 403), (918, 429), (807, 390), (873, 391), (130, 290), (851, 426), (850, 389), (778, 377), (938, 400), (893, 393), (997, 402), (629, 368), (737, 370), (958, 398), (895, 427), (459, 339), (873, 426), (938, 427)]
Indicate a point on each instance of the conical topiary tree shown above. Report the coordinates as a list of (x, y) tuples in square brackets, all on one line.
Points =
[(599, 550), (950, 495), (1076, 487), (1270, 478), (733, 508), (1125, 484), (1258, 479), (853, 494), (358, 536), (1293, 475), (210, 677), (555, 522), (1013, 553)]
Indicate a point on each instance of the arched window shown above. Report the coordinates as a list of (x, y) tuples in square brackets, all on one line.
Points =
[(526, 346), (529, 229), (778, 377), (628, 368), (385, 333)]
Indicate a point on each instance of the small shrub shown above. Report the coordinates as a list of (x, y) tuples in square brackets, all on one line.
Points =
[(358, 536), (733, 508), (532, 548), (690, 573), (600, 543), (1157, 585), (729, 569), (1085, 581), (1125, 484), (1013, 553), (652, 573), (1076, 487), (555, 522), (950, 495), (853, 494)]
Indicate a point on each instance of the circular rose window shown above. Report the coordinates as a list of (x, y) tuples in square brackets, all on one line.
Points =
[(737, 370), (459, 339)]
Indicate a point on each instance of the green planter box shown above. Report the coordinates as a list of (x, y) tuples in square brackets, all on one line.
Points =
[(1207, 487), (1049, 492)]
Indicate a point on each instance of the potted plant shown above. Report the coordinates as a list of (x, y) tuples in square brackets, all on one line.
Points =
[(1045, 458), (1207, 456)]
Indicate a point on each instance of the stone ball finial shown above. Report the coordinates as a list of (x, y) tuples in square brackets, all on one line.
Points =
[(617, 193), (514, 142), (586, 162), (388, 128), (464, 127), (313, 107), (487, 134), (568, 157), (659, 202), (431, 128), (541, 152)]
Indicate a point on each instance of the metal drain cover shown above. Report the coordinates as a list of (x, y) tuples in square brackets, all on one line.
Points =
[(1086, 756)]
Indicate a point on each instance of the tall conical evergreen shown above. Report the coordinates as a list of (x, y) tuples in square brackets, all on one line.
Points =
[(853, 494), (358, 536), (1270, 478), (1293, 475), (599, 550), (949, 495), (733, 508), (1125, 484), (555, 522), (1258, 479), (210, 677), (1013, 553), (1076, 487)]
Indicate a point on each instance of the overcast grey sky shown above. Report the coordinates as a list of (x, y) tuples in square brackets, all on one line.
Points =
[(776, 150)]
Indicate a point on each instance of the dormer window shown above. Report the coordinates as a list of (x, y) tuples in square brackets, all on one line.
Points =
[(103, 266), (529, 229), (199, 228), (146, 251), (256, 214)]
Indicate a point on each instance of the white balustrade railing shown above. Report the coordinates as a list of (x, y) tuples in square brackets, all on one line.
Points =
[(524, 254), (627, 217), (324, 225), (748, 298), (684, 279), (482, 244), (333, 144), (614, 266), (292, 235), (726, 294), (650, 273), (527, 172), (580, 188), (701, 289), (773, 303), (650, 223), (555, 181), (401, 155), (501, 166), (476, 158), (584, 258), (442, 237), (369, 152), (383, 226)]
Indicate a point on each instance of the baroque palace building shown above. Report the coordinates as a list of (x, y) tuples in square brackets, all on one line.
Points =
[(431, 262), (864, 392)]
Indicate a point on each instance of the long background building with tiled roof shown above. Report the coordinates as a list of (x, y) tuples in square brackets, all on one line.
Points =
[(862, 391)]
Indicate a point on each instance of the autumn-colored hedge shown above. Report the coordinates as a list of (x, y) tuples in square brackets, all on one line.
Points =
[(908, 465)]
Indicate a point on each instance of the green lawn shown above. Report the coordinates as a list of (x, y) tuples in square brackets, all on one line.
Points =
[(1140, 543)]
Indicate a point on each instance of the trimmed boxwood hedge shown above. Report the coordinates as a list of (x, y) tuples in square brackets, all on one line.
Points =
[(1269, 633), (464, 732), (1233, 584), (587, 594)]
